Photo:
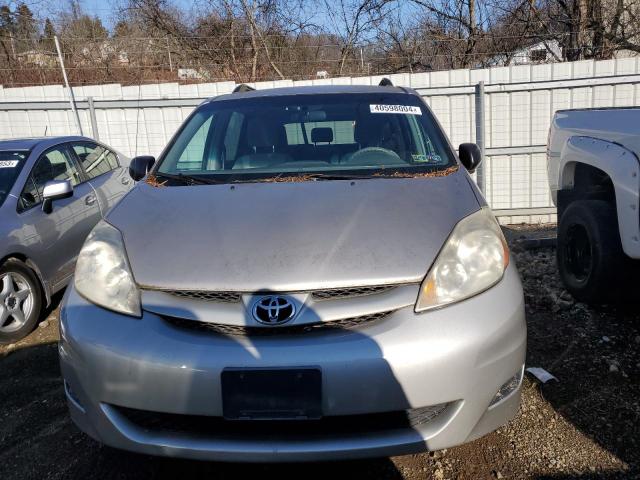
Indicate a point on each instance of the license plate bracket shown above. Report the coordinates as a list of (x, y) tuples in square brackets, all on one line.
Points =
[(272, 393)]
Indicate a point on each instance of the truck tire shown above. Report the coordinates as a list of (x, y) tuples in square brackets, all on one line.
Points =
[(20, 301), (592, 264)]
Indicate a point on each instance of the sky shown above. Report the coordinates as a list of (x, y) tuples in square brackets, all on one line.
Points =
[(106, 10)]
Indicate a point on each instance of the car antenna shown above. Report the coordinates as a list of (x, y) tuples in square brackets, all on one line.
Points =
[(243, 87), (385, 82)]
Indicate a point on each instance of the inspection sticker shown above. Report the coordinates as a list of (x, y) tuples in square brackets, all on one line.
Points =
[(8, 163), (406, 109)]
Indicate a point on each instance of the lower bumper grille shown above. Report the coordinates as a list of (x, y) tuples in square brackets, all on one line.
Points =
[(198, 425)]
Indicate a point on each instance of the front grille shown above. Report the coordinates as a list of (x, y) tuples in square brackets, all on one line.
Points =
[(335, 293), (247, 331), (235, 297), (344, 424), (220, 297)]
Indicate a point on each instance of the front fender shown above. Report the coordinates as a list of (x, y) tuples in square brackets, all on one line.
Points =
[(623, 167)]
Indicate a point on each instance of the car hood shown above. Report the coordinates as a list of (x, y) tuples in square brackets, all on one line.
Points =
[(290, 236)]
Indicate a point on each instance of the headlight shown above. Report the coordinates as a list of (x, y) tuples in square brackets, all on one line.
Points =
[(473, 259), (103, 275)]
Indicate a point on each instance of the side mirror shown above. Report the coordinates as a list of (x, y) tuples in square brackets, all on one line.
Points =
[(140, 166), (55, 190), (470, 156)]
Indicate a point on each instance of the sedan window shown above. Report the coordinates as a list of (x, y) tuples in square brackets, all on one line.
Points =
[(95, 159), (54, 165), (11, 164)]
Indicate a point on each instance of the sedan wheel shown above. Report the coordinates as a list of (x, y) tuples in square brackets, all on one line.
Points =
[(20, 301), (16, 301)]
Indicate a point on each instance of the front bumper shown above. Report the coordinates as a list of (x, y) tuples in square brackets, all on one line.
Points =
[(458, 357)]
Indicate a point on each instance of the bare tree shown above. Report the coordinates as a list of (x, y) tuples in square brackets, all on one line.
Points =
[(353, 20), (460, 19), (251, 40), (251, 10), (586, 28)]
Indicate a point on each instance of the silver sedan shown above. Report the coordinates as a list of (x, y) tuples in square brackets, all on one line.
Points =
[(53, 191)]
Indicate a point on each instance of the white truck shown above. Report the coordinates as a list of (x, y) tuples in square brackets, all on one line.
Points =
[(594, 176)]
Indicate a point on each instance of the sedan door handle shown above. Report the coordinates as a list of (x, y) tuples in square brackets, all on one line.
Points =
[(125, 181), (90, 199)]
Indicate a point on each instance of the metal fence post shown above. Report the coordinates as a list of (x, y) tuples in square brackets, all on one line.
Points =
[(94, 121), (480, 134), (72, 98)]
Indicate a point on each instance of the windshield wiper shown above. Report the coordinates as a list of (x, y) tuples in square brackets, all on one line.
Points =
[(338, 176), (187, 179), (298, 177)]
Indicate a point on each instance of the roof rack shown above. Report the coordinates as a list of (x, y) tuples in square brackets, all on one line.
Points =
[(385, 82), (243, 87)]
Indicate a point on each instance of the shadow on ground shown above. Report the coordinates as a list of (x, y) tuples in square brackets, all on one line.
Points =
[(582, 427), (595, 354), (39, 440), (599, 382)]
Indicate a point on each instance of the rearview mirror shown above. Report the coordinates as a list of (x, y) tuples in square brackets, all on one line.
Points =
[(140, 166), (55, 190), (470, 156)]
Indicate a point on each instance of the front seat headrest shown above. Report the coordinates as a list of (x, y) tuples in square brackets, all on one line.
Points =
[(262, 134), (369, 130), (322, 135)]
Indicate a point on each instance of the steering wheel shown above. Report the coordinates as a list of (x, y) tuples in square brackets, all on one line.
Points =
[(388, 156)]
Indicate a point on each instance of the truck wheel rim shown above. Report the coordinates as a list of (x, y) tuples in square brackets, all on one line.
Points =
[(578, 253), (16, 301)]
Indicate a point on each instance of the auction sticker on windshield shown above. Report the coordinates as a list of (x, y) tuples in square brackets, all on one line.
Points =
[(8, 163), (406, 109)]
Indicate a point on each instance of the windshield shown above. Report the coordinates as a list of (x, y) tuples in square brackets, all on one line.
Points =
[(11, 164), (332, 135)]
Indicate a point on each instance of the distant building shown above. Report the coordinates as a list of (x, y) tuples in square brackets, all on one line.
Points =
[(189, 74), (104, 51), (625, 54), (37, 57), (541, 52), (123, 57)]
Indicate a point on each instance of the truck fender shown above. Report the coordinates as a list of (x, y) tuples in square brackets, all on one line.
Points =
[(623, 167)]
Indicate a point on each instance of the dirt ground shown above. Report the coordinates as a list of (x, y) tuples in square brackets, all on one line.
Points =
[(585, 425)]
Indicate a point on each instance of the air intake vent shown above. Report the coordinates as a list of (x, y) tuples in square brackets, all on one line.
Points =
[(220, 297), (328, 294), (247, 331), (348, 425), (336, 293)]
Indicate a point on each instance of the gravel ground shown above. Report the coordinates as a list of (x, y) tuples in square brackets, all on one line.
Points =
[(585, 425)]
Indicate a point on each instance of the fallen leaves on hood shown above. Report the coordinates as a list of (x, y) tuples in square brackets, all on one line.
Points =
[(153, 181), (435, 173)]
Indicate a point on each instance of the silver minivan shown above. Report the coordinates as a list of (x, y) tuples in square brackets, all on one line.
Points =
[(53, 191), (303, 274)]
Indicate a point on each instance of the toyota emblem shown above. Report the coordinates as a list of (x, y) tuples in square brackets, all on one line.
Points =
[(273, 310)]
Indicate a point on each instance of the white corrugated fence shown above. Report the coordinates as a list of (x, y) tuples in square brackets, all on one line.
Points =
[(519, 102)]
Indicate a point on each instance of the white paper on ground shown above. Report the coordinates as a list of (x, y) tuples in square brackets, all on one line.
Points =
[(541, 374)]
